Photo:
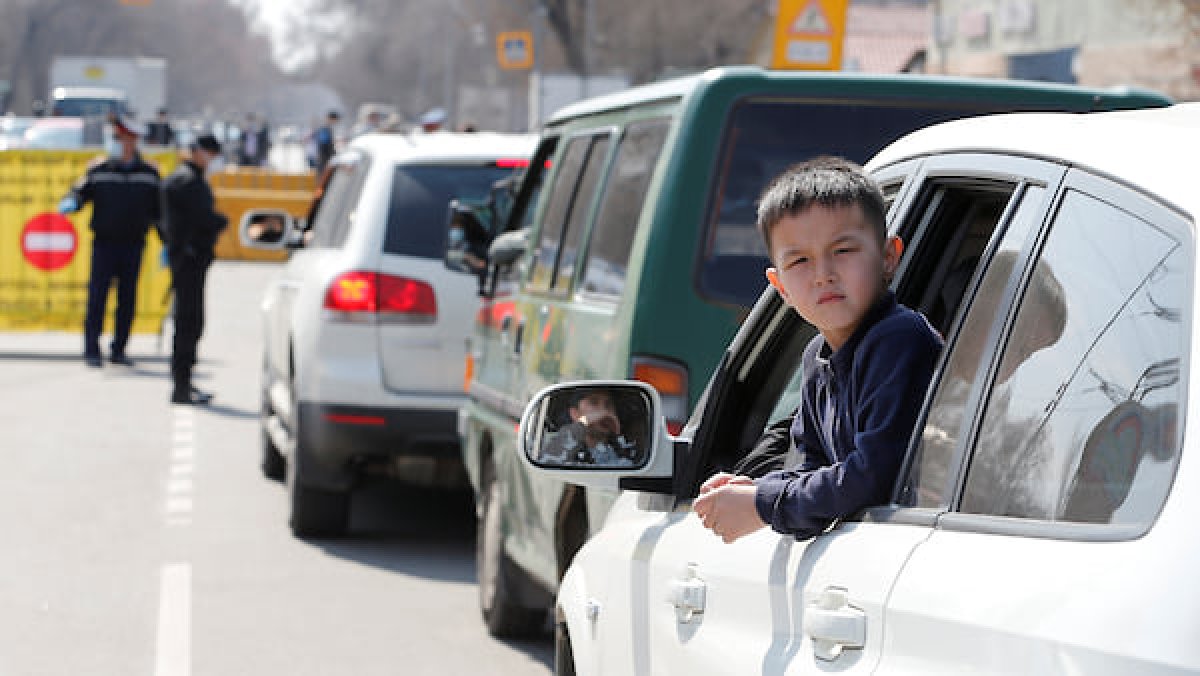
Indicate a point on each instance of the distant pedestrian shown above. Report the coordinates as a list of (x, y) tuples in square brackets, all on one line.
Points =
[(159, 132), (326, 140), (191, 226), (123, 190), (254, 142)]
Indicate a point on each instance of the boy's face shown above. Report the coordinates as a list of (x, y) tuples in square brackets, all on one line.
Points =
[(830, 267)]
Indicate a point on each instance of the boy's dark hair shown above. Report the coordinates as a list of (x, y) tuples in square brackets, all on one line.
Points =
[(825, 181)]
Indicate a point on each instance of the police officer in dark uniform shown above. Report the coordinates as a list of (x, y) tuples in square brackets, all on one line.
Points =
[(190, 227), (123, 190)]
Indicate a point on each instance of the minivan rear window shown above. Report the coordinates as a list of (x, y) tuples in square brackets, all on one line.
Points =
[(765, 137), (421, 195)]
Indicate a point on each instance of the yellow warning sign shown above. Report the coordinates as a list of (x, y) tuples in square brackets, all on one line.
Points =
[(45, 259), (809, 35)]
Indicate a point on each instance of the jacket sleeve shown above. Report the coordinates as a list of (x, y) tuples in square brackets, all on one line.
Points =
[(893, 368)]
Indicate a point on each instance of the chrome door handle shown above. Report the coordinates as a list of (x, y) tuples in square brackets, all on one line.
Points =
[(688, 594), (834, 624)]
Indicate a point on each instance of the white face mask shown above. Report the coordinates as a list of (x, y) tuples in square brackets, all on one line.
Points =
[(215, 165), (112, 147)]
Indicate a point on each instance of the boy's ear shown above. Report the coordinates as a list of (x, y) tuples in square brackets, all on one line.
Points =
[(773, 278), (892, 249)]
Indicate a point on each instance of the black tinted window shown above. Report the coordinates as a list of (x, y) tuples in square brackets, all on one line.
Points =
[(557, 210), (765, 137), (621, 205), (1082, 420), (421, 195)]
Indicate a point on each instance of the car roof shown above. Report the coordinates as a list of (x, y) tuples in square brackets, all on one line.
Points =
[(449, 146), (1152, 148)]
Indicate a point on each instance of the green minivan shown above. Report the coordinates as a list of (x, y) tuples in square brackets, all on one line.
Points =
[(629, 251)]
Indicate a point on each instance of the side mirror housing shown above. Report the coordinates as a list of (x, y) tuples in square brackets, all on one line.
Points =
[(507, 248), (604, 434), (268, 230)]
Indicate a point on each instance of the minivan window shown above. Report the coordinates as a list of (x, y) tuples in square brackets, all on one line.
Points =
[(761, 139), (593, 174), (1082, 421), (621, 205), (420, 195), (558, 209)]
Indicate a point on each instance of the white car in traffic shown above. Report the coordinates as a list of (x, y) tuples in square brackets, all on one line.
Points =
[(364, 327), (1044, 519)]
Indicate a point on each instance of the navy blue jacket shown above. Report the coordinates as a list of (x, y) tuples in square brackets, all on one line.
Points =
[(859, 408), (191, 224), (124, 199)]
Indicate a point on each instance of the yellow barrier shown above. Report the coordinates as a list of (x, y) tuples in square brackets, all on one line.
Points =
[(240, 189), (45, 260)]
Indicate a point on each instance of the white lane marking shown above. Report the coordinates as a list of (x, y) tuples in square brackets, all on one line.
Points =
[(179, 487), (173, 645)]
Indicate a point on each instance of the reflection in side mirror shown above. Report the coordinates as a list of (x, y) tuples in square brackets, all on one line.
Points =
[(507, 248), (267, 229), (593, 425)]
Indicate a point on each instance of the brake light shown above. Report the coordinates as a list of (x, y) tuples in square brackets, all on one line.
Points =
[(671, 381), (512, 163), (359, 294)]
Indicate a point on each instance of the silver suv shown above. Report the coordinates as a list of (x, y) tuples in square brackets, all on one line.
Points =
[(364, 326)]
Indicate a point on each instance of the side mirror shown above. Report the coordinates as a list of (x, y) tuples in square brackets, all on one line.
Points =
[(467, 239), (507, 248), (268, 230), (601, 434)]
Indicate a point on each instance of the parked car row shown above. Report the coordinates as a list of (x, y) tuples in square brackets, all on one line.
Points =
[(615, 269)]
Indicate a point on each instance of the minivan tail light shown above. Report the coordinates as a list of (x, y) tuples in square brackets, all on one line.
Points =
[(361, 295), (671, 381), (512, 163)]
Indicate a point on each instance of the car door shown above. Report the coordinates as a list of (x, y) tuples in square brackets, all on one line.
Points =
[(1051, 445), (769, 603)]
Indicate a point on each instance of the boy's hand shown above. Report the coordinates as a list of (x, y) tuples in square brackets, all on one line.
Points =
[(716, 481), (728, 509)]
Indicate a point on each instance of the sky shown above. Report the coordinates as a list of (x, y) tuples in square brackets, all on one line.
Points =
[(273, 16)]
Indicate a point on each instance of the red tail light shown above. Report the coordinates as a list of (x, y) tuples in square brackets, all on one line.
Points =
[(512, 163), (360, 295)]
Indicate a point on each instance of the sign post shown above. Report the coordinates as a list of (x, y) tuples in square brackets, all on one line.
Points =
[(809, 35)]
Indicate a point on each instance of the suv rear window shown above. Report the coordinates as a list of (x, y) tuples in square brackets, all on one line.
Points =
[(766, 137), (421, 195)]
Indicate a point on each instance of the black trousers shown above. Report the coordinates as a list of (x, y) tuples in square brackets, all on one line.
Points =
[(187, 276), (111, 261)]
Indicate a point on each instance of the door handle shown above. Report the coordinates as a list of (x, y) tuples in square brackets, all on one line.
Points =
[(688, 594), (518, 335), (834, 625)]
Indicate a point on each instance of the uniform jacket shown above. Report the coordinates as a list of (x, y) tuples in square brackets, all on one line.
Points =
[(124, 199), (859, 408), (191, 224)]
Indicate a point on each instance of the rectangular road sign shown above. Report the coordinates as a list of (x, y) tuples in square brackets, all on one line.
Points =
[(809, 35), (514, 50)]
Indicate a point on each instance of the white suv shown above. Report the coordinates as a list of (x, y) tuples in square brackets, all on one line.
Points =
[(1044, 519), (364, 327)]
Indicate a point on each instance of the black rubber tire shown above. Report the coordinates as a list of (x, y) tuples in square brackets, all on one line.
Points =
[(315, 512), (274, 465), (504, 617)]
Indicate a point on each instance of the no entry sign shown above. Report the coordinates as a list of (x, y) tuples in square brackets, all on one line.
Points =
[(48, 241)]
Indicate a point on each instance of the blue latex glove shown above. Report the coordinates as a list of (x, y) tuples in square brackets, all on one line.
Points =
[(68, 205), (163, 259)]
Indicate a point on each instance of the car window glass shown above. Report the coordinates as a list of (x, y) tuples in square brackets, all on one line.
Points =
[(557, 210), (332, 220), (929, 476), (419, 202), (621, 205), (762, 139), (589, 183), (1081, 422)]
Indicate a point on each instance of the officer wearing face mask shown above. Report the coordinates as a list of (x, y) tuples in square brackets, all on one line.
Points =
[(123, 190), (191, 226)]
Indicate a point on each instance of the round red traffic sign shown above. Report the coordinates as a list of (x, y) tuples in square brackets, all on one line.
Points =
[(48, 241)]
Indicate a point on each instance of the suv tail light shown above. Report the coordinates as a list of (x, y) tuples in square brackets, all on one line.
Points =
[(363, 296), (671, 381)]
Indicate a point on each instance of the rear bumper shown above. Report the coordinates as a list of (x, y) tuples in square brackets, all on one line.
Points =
[(341, 442)]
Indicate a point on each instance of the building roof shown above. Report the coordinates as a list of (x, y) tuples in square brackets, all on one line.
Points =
[(884, 39)]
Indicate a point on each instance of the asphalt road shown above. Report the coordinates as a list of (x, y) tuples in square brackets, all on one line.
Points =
[(141, 538)]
